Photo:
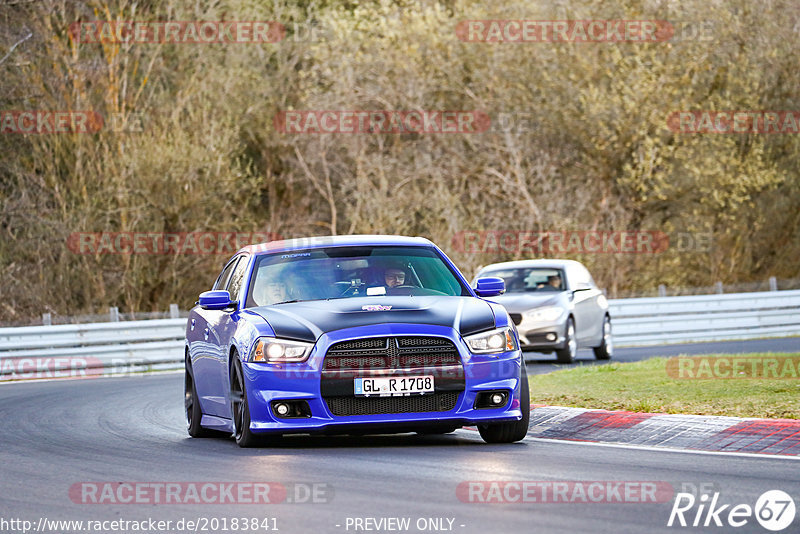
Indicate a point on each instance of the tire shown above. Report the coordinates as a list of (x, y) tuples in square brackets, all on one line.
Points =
[(606, 349), (567, 354), (192, 405), (240, 410), (514, 430)]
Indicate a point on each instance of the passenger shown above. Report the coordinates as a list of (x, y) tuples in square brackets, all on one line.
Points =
[(277, 292), (265, 294)]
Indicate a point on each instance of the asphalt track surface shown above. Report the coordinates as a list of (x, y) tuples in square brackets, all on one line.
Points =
[(59, 433)]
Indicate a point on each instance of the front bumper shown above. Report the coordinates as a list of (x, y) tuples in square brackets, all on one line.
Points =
[(302, 381), (542, 336)]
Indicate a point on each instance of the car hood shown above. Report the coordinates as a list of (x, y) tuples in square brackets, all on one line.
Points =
[(519, 302), (307, 321)]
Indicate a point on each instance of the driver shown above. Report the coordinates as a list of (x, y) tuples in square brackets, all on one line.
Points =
[(554, 281), (394, 277)]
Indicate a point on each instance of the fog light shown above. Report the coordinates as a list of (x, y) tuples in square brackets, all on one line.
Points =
[(491, 399), (551, 337), (291, 408)]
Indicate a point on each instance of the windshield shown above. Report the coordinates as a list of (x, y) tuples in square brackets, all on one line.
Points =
[(524, 280), (346, 272)]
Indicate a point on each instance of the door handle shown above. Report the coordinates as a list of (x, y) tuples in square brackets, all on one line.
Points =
[(192, 324), (205, 333)]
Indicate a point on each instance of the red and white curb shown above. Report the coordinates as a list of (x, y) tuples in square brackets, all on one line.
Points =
[(694, 432)]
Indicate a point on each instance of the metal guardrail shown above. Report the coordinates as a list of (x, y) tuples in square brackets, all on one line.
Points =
[(91, 349), (99, 349), (697, 318)]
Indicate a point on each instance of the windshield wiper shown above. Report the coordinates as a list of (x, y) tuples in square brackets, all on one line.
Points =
[(286, 302)]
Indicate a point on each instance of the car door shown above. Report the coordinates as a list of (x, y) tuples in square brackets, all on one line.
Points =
[(225, 328), (586, 303), (212, 387)]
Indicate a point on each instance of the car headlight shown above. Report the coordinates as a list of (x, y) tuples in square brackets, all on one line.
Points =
[(492, 342), (273, 350), (548, 313)]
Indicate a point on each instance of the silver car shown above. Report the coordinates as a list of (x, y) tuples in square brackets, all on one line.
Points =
[(556, 306)]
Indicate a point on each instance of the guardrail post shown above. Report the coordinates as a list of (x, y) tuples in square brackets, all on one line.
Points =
[(773, 284), (719, 288), (47, 319), (662, 290), (113, 314), (173, 311)]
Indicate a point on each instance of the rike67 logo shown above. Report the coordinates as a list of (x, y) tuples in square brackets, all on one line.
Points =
[(774, 510)]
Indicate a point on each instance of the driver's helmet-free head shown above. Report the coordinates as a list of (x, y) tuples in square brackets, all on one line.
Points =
[(274, 288), (270, 292), (554, 280), (392, 273)]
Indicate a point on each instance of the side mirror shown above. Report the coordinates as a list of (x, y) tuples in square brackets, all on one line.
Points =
[(215, 300), (490, 286)]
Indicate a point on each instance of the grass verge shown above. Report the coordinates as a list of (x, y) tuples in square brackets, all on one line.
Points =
[(647, 386)]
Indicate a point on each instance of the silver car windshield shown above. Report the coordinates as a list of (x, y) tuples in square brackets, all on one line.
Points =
[(531, 279)]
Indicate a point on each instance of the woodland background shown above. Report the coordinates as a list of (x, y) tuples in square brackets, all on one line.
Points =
[(592, 153)]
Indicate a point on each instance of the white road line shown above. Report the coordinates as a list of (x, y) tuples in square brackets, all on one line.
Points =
[(665, 449)]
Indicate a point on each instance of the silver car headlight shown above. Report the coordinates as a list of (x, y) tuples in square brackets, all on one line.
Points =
[(547, 313), (274, 350), (492, 342)]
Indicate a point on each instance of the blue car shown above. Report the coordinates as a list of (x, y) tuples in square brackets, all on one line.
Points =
[(352, 335)]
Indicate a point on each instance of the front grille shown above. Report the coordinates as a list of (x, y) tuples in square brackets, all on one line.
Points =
[(361, 344), (438, 402), (414, 341), (391, 356), (392, 353)]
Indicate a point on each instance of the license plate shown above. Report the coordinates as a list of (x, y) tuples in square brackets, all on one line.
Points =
[(393, 386)]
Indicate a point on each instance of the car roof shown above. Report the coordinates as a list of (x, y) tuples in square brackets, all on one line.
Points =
[(554, 263), (304, 243)]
